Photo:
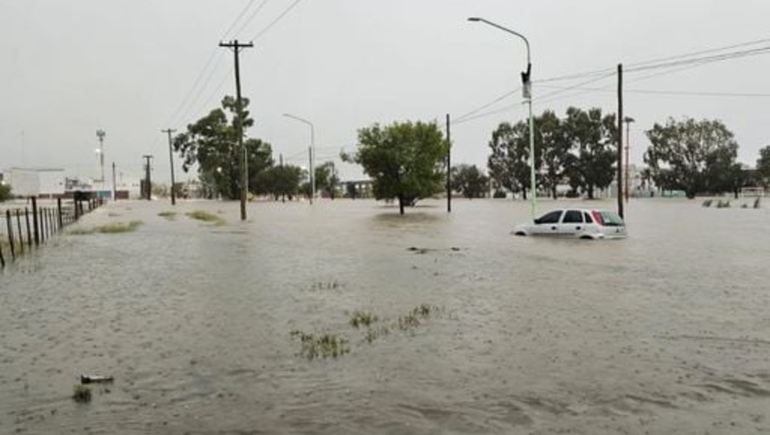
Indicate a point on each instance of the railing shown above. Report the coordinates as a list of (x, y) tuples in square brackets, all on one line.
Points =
[(24, 229)]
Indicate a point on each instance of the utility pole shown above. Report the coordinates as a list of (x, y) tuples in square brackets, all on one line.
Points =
[(448, 166), (237, 47), (147, 181), (628, 120), (620, 139), (170, 131), (114, 184)]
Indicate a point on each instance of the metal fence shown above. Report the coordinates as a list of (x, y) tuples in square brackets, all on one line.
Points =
[(23, 229)]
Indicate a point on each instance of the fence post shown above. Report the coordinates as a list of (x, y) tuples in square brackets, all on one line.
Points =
[(35, 222), (2, 259), (58, 209), (9, 224), (21, 235), (29, 231)]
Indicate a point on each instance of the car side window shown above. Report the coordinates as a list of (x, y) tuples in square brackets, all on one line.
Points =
[(573, 217), (549, 218), (588, 218)]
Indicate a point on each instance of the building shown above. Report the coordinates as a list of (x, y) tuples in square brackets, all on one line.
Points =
[(39, 182)]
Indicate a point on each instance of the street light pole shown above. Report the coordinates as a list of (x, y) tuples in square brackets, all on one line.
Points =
[(526, 78), (312, 152), (628, 120), (100, 134)]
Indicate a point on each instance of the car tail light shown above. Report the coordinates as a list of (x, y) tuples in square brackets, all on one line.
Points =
[(597, 217)]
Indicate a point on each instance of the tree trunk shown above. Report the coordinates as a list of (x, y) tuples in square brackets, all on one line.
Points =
[(590, 191), (524, 194), (553, 192), (401, 204)]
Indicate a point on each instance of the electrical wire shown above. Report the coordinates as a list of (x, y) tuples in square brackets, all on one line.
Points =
[(487, 105), (276, 20)]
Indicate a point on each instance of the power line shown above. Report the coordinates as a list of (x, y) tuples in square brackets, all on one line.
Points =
[(669, 92), (486, 105), (251, 17), (276, 20)]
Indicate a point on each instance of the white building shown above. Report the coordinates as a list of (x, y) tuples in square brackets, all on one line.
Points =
[(39, 182)]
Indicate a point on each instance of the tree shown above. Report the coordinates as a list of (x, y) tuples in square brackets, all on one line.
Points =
[(509, 162), (5, 192), (280, 181), (763, 166), (552, 139), (592, 141), (212, 144), (326, 179), (694, 156), (470, 181), (405, 160)]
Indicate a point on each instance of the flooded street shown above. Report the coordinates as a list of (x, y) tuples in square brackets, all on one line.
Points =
[(665, 332)]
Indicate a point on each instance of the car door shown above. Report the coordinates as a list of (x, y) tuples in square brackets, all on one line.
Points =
[(571, 223), (548, 224)]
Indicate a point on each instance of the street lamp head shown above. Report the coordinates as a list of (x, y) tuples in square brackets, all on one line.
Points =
[(628, 119), (474, 19)]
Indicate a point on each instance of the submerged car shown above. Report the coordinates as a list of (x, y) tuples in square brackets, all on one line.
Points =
[(580, 223)]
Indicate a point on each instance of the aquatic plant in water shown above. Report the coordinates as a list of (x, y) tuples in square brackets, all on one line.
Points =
[(168, 215), (113, 228), (81, 394), (323, 346), (205, 216), (362, 318)]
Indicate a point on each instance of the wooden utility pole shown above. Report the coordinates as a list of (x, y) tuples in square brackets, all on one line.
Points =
[(620, 140), (448, 166), (147, 180), (114, 184), (170, 131), (237, 47)]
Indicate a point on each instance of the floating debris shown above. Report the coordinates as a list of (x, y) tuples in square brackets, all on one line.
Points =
[(94, 379)]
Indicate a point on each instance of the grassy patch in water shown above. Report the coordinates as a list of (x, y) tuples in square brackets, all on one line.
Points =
[(114, 228), (81, 394), (707, 203), (168, 215), (321, 346), (205, 216), (362, 318)]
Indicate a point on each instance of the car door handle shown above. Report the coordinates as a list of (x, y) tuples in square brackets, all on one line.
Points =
[(578, 228), (553, 228)]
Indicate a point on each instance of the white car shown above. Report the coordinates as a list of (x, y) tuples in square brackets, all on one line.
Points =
[(580, 223)]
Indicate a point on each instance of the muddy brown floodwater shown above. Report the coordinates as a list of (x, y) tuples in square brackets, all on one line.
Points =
[(667, 332)]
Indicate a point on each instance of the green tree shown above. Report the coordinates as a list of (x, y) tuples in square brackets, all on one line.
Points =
[(211, 143), (5, 192), (326, 179), (763, 166), (280, 181), (470, 181), (694, 156), (592, 140), (405, 160), (508, 164), (551, 138)]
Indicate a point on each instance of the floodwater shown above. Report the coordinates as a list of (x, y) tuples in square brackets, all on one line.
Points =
[(666, 332)]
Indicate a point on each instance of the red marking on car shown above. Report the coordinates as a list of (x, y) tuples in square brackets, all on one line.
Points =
[(597, 217)]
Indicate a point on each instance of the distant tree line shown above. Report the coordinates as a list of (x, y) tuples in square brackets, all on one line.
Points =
[(406, 160)]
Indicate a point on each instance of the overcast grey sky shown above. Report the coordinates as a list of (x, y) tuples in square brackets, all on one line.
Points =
[(71, 67)]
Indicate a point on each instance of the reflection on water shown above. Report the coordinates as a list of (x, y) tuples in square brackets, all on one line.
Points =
[(665, 332)]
